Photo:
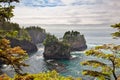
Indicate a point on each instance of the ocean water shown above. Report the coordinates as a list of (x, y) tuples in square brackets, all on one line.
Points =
[(64, 67), (94, 35), (90, 17)]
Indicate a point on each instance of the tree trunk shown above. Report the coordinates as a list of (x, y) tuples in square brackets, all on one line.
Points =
[(113, 71)]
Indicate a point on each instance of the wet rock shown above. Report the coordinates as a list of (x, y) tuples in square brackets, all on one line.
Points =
[(54, 65)]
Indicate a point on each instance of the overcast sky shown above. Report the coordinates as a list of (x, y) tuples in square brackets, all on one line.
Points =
[(67, 12)]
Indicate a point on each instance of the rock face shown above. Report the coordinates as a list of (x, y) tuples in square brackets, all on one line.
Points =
[(55, 65), (37, 34), (78, 44), (55, 49), (76, 40), (25, 45)]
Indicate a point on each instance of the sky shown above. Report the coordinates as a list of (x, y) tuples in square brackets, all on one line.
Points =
[(67, 12)]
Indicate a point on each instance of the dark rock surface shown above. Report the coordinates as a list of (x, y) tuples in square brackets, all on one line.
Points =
[(57, 50), (78, 44), (55, 65), (25, 45), (37, 36)]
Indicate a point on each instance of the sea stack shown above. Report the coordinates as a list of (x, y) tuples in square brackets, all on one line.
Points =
[(76, 40), (54, 49)]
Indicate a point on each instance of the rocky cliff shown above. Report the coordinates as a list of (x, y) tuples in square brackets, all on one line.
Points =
[(24, 44), (78, 44), (37, 34), (55, 49), (76, 40)]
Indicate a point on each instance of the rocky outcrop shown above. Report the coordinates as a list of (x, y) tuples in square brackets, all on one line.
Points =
[(37, 34), (76, 40), (79, 44), (57, 51), (55, 65), (24, 44)]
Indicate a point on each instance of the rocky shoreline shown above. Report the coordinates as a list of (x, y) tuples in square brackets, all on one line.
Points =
[(24, 44)]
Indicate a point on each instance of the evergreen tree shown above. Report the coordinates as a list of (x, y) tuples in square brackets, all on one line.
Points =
[(106, 70), (117, 33), (52, 75), (50, 39), (6, 11), (12, 56)]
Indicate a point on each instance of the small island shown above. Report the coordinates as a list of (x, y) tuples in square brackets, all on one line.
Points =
[(76, 40), (55, 49)]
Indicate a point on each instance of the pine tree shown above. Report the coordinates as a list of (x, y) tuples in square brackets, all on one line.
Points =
[(117, 33), (12, 56), (6, 11), (106, 70)]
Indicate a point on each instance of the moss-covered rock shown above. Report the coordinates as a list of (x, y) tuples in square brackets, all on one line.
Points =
[(55, 49)]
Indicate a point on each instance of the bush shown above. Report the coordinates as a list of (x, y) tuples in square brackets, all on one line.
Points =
[(53, 75), (50, 39)]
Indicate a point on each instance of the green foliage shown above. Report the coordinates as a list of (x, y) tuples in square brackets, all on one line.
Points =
[(12, 56), (65, 46), (70, 35), (99, 52), (24, 35), (12, 34), (116, 34), (35, 28), (94, 63), (53, 75), (50, 39), (6, 11), (10, 26), (99, 75)]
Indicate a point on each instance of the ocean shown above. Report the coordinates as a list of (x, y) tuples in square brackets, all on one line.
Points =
[(92, 18), (94, 35)]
